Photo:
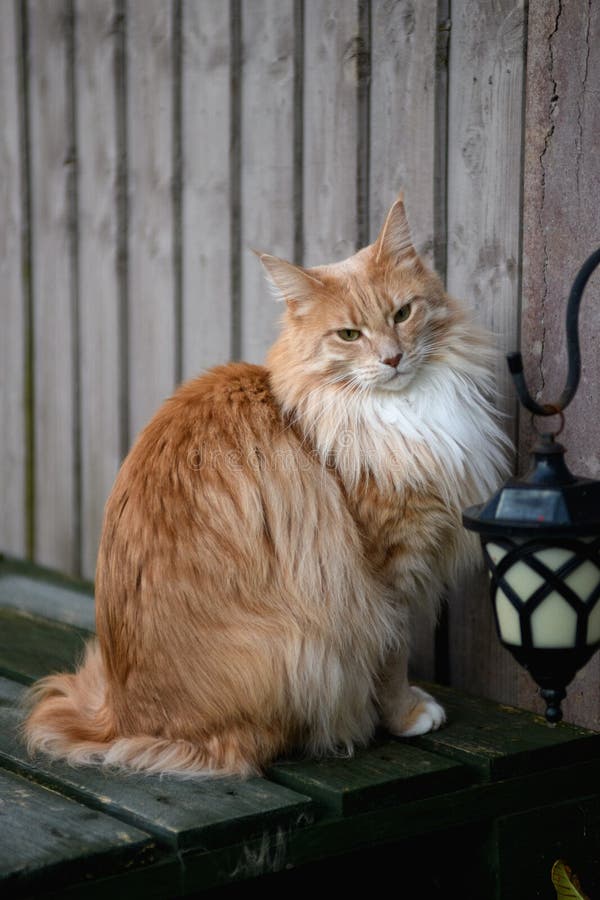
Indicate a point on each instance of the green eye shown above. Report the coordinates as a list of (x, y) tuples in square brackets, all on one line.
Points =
[(402, 314), (349, 334)]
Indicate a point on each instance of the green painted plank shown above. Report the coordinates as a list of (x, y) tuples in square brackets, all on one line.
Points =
[(331, 836), (11, 692), (49, 840), (184, 813), (503, 741), (382, 775), (31, 647), (44, 592)]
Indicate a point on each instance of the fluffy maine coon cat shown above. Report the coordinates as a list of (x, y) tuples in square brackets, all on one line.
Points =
[(271, 528)]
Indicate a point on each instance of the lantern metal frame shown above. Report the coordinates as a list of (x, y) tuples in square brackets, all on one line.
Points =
[(549, 509)]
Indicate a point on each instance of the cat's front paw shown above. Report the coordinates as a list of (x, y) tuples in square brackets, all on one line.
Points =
[(424, 715)]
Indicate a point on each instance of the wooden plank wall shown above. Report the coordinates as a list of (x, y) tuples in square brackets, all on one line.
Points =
[(149, 144), (560, 230)]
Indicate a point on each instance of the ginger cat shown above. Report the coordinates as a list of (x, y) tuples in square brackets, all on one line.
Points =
[(272, 527)]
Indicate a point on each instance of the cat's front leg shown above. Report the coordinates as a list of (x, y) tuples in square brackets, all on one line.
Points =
[(406, 710)]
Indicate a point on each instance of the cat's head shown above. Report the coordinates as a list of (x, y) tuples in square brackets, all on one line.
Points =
[(373, 320)]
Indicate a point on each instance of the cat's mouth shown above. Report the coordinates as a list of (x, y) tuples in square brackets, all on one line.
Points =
[(397, 380)]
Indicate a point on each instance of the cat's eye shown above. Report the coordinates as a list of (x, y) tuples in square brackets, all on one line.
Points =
[(349, 334), (402, 314)]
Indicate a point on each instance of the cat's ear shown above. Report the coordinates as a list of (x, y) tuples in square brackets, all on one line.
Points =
[(394, 243), (292, 283)]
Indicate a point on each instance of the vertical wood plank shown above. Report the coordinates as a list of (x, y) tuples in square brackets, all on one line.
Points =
[(330, 130), (403, 108), (206, 304), (402, 155), (52, 165), (151, 274), (560, 230), (12, 332), (267, 162), (484, 183), (98, 285)]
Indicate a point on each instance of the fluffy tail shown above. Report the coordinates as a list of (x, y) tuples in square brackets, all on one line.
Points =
[(69, 719)]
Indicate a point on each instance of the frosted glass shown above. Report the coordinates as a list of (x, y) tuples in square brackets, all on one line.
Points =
[(508, 619), (496, 553), (593, 629), (523, 580), (554, 623), (554, 557), (584, 579)]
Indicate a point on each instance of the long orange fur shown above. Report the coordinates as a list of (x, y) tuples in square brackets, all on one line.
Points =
[(272, 527)]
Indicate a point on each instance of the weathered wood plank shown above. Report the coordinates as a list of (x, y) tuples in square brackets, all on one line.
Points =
[(403, 109), (186, 814), (330, 131), (31, 647), (49, 841), (206, 302), (45, 593), (383, 775), (560, 230), (11, 693), (99, 304), (503, 741), (12, 334), (151, 287), (334, 835), (52, 173), (267, 162), (484, 183)]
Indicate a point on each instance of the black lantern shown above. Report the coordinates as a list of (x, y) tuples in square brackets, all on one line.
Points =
[(541, 544)]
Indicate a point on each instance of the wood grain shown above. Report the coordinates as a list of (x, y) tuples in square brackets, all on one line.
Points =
[(267, 162), (206, 303), (54, 325), (99, 309), (195, 814), (12, 332), (330, 131), (151, 288), (49, 841), (561, 187), (403, 108), (31, 647), (484, 183)]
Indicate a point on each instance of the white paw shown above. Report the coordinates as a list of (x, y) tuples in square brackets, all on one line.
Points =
[(426, 715)]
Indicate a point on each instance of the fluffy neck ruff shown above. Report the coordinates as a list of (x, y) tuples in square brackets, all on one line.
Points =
[(442, 431)]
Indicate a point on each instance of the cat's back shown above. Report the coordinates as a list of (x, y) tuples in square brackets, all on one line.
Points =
[(220, 410), (215, 450)]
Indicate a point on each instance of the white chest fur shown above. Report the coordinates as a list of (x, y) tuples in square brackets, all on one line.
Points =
[(441, 428)]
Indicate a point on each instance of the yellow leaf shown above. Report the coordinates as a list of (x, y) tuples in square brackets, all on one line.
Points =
[(565, 883)]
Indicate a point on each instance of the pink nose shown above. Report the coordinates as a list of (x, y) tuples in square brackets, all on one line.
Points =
[(392, 360)]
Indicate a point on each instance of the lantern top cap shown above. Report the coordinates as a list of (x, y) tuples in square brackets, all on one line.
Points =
[(549, 501)]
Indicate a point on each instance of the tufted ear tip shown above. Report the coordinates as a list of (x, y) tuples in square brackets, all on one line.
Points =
[(394, 243)]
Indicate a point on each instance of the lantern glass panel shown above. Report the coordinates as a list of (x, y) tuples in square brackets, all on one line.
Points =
[(508, 619), (554, 623), (554, 557), (496, 552), (523, 580), (584, 579), (593, 629)]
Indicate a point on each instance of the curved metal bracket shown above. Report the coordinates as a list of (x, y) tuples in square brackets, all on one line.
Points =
[(515, 360)]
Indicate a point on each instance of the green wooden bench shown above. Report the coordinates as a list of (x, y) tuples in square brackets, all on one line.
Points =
[(486, 805)]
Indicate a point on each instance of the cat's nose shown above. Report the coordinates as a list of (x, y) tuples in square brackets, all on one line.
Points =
[(392, 360)]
